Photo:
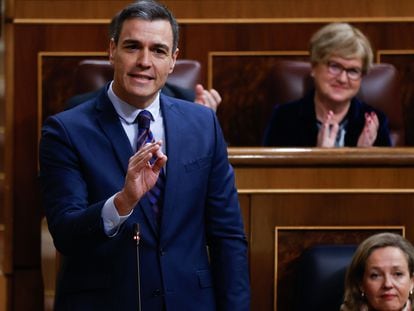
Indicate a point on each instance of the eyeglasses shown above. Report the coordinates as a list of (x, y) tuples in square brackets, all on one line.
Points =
[(337, 69)]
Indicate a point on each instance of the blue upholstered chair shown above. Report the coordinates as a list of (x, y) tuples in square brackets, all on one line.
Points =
[(320, 279)]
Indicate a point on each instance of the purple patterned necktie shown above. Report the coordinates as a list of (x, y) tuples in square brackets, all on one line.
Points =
[(155, 195)]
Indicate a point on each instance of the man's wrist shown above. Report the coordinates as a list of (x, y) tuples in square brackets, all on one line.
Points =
[(122, 204)]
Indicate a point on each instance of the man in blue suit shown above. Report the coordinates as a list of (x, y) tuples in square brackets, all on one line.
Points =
[(98, 188)]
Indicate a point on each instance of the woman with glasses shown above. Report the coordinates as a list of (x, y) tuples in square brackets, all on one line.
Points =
[(330, 115)]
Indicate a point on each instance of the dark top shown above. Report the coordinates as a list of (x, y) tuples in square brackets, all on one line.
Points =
[(295, 125)]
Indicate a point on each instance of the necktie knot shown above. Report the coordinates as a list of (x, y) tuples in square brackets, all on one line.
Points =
[(144, 134), (144, 119)]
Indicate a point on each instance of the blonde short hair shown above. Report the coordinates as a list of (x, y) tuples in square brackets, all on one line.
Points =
[(343, 40)]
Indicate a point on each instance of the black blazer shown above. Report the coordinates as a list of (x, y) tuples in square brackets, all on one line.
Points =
[(295, 124)]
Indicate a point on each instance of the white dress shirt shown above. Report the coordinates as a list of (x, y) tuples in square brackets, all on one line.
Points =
[(127, 115)]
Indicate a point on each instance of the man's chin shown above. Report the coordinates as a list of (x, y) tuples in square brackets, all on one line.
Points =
[(143, 92)]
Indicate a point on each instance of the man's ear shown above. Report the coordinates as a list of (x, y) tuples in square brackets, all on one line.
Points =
[(174, 59), (112, 48)]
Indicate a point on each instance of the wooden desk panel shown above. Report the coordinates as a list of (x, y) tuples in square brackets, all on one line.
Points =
[(317, 188)]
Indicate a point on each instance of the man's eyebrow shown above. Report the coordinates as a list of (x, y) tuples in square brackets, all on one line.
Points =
[(161, 45), (155, 45), (129, 41)]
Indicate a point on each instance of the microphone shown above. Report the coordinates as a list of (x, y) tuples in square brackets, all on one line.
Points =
[(136, 233), (137, 238)]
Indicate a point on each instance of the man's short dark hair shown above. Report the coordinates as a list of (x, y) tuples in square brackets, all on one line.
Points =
[(148, 10)]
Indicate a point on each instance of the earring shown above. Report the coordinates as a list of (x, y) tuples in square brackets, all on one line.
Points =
[(411, 292), (362, 294)]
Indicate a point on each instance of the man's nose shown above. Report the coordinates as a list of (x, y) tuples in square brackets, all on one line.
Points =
[(144, 58)]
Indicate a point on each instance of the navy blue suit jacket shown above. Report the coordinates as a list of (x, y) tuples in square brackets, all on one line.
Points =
[(168, 89), (84, 156), (294, 124)]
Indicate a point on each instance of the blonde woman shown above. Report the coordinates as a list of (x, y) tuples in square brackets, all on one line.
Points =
[(381, 275), (330, 115)]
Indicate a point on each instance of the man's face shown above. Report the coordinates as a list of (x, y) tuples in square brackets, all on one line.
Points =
[(142, 60)]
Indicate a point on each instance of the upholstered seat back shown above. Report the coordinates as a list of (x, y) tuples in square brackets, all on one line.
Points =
[(321, 276), (380, 88), (91, 74)]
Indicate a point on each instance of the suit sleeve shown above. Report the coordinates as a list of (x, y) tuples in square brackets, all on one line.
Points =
[(74, 225)]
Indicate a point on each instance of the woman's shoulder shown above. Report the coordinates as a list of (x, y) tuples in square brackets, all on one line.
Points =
[(363, 107)]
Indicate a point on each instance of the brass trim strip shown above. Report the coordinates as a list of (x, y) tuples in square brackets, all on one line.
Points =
[(327, 191), (277, 228), (50, 293), (392, 52), (247, 157), (397, 52), (282, 20), (259, 53), (9, 160), (45, 21), (71, 53)]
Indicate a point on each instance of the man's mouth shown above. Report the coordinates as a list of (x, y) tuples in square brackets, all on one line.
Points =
[(141, 77)]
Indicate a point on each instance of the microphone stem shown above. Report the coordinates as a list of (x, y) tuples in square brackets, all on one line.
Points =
[(136, 238)]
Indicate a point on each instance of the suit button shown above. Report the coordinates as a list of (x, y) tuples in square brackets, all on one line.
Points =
[(156, 292), (161, 251)]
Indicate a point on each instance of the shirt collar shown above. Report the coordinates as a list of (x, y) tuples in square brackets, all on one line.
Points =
[(128, 112)]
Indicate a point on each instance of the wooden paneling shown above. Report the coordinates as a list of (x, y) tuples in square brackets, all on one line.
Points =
[(4, 291), (222, 8), (318, 188), (247, 105), (235, 49), (1, 246), (321, 209), (200, 40), (57, 79), (403, 60)]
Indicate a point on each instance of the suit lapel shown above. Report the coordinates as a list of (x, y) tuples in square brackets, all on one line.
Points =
[(109, 121)]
